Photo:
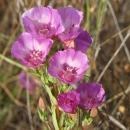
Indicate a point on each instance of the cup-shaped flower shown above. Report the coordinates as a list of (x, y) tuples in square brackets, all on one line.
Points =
[(71, 19), (42, 21), (28, 82), (69, 101), (68, 66), (83, 41), (91, 95), (31, 51)]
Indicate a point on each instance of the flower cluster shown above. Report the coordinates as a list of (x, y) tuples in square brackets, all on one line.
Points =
[(86, 96), (44, 26)]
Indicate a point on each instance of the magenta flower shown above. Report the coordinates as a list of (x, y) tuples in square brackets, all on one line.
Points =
[(69, 101), (91, 95), (71, 19), (31, 51), (69, 66), (42, 21), (27, 82), (83, 41)]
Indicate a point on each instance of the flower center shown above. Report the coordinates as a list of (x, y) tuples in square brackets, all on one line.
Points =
[(68, 73), (44, 31), (35, 57), (89, 100), (69, 30), (68, 101)]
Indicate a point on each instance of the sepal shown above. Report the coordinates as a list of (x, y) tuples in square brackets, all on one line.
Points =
[(42, 114)]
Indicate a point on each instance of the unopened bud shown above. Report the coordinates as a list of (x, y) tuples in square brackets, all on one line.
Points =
[(93, 112), (72, 116), (41, 104), (69, 45)]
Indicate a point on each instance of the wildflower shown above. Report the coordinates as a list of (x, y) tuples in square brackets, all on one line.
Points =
[(31, 51), (83, 41), (71, 19), (68, 66), (27, 82), (91, 95), (42, 21), (69, 101)]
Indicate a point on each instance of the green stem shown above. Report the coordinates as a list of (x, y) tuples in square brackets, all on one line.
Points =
[(54, 118), (13, 62), (47, 124), (98, 18), (79, 119), (52, 98), (88, 15)]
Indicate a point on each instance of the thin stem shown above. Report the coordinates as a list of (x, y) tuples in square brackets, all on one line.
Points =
[(78, 119), (52, 98), (12, 62), (55, 90), (118, 29), (114, 55), (58, 116), (28, 105), (88, 15), (98, 18), (11, 96), (54, 118), (46, 122), (57, 109)]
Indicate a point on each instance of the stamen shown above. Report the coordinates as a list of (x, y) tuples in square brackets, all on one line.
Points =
[(35, 57), (68, 73)]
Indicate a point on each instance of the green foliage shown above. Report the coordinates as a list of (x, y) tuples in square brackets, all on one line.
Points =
[(70, 122), (42, 114), (87, 120), (51, 79), (67, 122), (54, 116)]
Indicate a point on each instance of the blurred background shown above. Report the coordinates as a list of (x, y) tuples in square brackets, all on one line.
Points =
[(108, 22)]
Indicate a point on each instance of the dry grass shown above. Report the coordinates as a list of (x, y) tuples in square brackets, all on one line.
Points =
[(109, 24)]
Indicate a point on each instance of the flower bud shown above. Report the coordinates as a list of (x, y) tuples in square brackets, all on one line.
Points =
[(73, 115), (41, 104), (93, 112)]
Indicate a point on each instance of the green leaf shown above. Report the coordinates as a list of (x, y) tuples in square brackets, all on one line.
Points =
[(62, 119), (42, 115), (52, 98), (52, 79), (66, 122), (44, 79), (65, 88), (54, 118), (87, 120), (45, 85), (71, 122)]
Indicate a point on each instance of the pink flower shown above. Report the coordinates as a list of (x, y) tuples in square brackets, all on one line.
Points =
[(69, 101), (91, 95), (27, 82), (71, 19), (42, 21), (68, 66), (83, 41), (31, 51)]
